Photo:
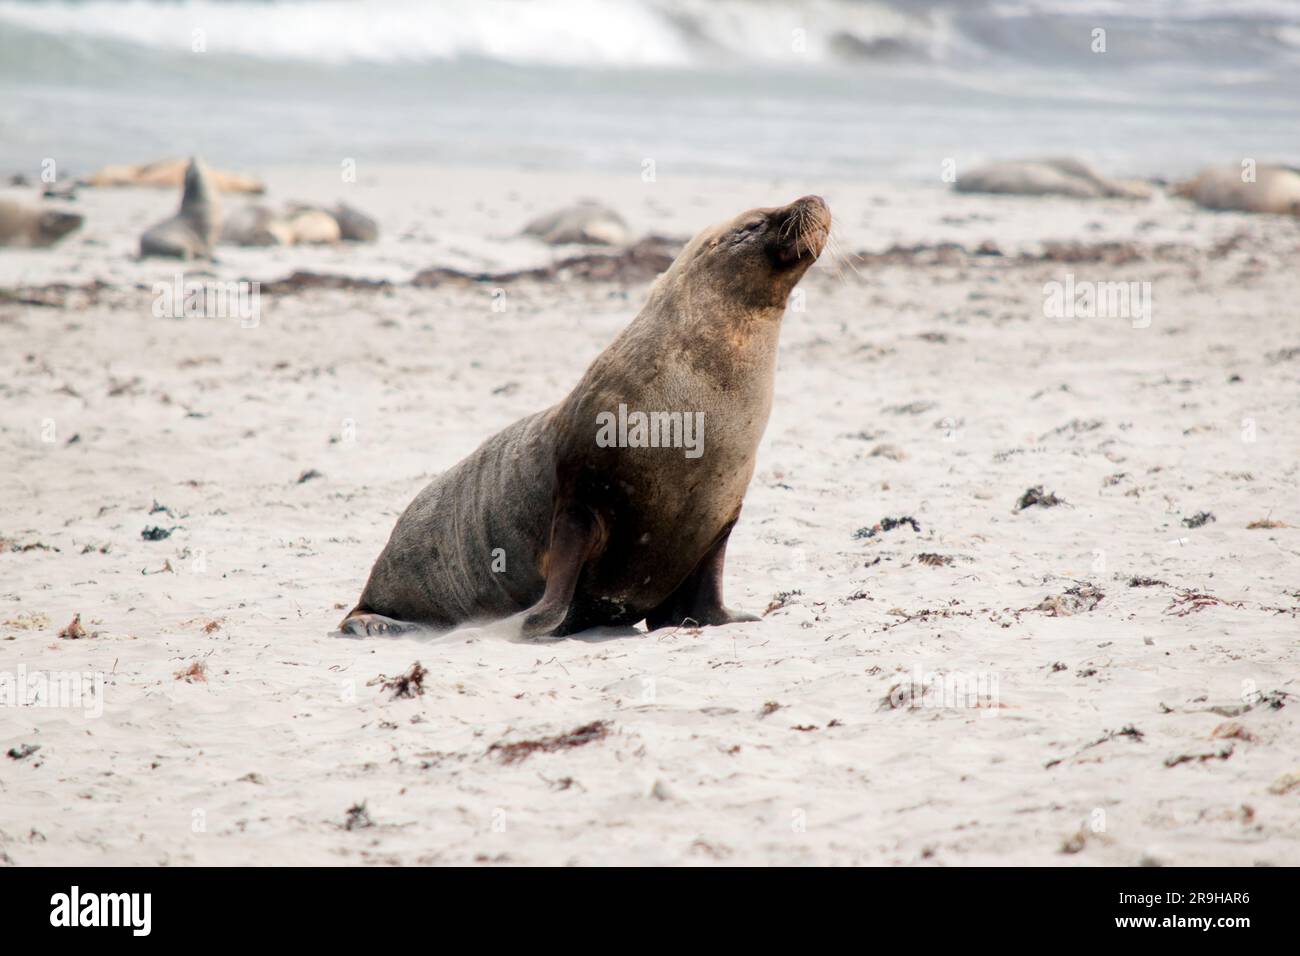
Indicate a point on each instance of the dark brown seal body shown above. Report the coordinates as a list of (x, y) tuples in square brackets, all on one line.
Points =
[(193, 232), (551, 518)]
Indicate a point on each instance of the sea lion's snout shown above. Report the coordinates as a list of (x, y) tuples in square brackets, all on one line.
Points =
[(56, 223), (799, 231)]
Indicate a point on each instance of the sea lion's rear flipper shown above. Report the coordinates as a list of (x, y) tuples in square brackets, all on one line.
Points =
[(374, 625), (576, 534), (698, 599)]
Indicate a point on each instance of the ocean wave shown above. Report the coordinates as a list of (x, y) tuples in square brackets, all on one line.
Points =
[(577, 33), (335, 31), (664, 34)]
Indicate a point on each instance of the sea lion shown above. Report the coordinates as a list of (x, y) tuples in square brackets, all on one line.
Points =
[(313, 226), (585, 222), (1049, 177), (354, 225), (256, 225), (1276, 189), (193, 231), (615, 505), (170, 174), (32, 226)]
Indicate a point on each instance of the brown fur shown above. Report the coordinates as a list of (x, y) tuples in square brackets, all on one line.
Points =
[(192, 233), (596, 535), (34, 226), (1275, 189)]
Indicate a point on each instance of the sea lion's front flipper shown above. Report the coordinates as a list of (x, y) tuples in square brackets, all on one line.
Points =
[(575, 536), (698, 599)]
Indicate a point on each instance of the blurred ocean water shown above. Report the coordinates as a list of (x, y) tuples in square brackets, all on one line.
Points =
[(831, 88)]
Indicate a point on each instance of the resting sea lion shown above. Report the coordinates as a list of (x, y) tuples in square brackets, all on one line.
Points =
[(615, 505), (259, 225), (1049, 177), (355, 225), (169, 174), (22, 225), (193, 231), (256, 226), (313, 226), (1276, 189), (586, 222)]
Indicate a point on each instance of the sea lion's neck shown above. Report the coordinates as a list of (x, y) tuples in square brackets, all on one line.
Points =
[(200, 207), (198, 190), (196, 200), (721, 343)]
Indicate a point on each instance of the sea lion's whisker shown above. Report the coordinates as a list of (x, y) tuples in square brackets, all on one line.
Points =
[(788, 226), (802, 216), (838, 256), (785, 228)]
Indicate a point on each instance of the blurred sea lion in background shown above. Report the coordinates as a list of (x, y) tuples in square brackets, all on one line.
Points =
[(1049, 177), (193, 231), (259, 225), (1276, 189), (170, 173), (34, 226), (355, 225), (311, 225), (256, 225), (585, 222)]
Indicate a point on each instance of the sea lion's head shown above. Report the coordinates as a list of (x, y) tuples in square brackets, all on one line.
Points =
[(198, 186), (55, 224), (756, 258), (200, 205)]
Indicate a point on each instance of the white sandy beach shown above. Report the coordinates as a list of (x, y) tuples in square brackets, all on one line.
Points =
[(1159, 726)]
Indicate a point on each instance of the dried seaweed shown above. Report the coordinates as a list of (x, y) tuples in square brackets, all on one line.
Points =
[(520, 750)]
